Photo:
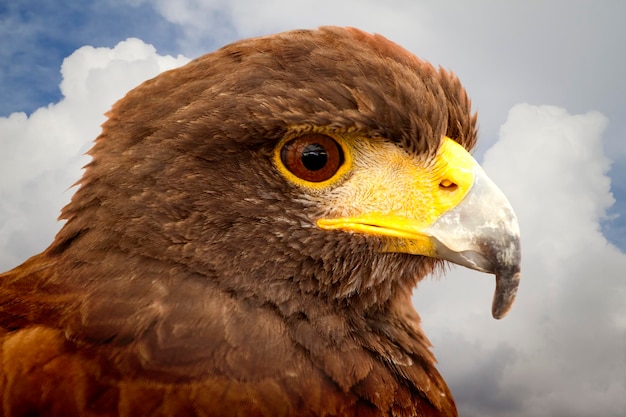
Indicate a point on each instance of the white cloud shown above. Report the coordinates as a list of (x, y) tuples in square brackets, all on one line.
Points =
[(226, 20), (562, 349), (42, 153)]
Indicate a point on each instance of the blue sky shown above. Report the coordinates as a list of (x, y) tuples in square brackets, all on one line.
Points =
[(547, 79), (38, 34)]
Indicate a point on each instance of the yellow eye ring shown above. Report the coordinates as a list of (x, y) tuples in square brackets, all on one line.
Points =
[(312, 160)]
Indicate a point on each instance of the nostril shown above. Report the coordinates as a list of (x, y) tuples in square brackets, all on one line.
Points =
[(448, 185)]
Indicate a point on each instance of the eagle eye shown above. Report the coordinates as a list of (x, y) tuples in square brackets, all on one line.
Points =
[(312, 157)]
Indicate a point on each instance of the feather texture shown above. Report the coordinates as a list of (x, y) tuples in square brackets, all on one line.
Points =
[(189, 279)]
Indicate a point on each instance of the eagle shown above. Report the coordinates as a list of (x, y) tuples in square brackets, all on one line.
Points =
[(247, 236)]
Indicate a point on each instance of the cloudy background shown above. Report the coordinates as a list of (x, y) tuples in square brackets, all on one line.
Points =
[(548, 79)]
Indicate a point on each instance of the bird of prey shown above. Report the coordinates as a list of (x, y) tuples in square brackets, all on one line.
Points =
[(247, 236)]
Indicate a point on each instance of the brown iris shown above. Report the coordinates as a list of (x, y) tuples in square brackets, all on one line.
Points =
[(312, 157)]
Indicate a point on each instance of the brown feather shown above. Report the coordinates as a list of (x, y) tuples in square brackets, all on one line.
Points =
[(189, 278)]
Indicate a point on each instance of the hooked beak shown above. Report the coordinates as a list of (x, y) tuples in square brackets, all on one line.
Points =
[(482, 233), (468, 221)]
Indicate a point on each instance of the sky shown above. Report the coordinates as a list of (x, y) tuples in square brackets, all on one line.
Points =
[(547, 79)]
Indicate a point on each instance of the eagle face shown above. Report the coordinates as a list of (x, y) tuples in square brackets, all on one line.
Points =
[(251, 228)]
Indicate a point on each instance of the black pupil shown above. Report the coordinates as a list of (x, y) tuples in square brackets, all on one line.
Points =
[(314, 157)]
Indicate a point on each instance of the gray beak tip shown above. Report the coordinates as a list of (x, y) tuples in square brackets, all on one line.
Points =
[(504, 296)]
